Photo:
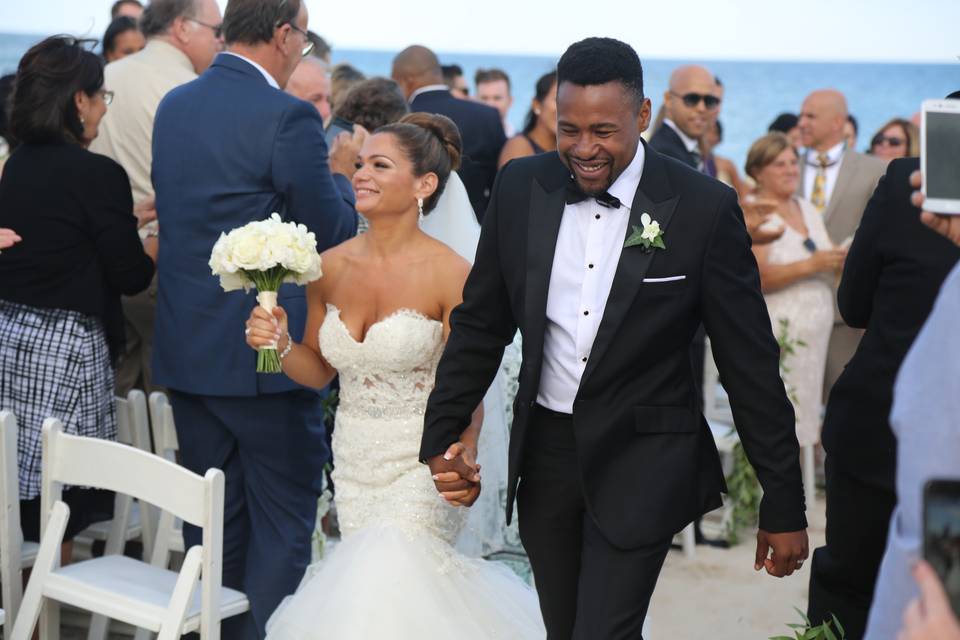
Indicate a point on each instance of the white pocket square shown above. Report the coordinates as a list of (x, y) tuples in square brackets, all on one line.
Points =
[(670, 279)]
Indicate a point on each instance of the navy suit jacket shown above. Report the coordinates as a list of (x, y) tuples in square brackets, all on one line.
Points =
[(228, 149), (482, 132)]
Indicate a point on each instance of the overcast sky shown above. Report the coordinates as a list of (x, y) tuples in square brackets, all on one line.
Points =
[(863, 30)]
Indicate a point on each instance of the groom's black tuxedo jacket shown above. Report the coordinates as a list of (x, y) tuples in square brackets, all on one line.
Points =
[(647, 460)]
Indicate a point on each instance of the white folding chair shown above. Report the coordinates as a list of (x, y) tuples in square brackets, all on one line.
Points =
[(169, 533), (116, 586)]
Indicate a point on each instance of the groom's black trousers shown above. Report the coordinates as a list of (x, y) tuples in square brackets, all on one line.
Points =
[(589, 589)]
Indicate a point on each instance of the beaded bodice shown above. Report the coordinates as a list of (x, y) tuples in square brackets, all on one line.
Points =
[(390, 374)]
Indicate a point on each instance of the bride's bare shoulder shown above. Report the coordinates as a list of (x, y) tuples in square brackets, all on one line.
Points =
[(448, 265)]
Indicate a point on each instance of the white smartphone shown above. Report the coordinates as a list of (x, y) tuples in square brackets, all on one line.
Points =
[(940, 156)]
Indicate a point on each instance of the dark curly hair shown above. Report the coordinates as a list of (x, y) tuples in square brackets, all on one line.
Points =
[(373, 103), (601, 60), (432, 143)]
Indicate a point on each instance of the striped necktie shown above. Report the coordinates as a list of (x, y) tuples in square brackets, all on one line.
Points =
[(819, 195)]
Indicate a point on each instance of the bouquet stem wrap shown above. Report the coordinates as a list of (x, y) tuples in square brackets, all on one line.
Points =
[(268, 283)]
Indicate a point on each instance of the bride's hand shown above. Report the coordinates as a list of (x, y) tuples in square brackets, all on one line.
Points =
[(264, 329), (459, 486)]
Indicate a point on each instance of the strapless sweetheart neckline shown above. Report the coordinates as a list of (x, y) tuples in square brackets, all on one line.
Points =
[(407, 311)]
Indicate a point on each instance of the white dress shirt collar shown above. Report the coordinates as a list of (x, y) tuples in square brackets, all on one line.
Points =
[(432, 87), (834, 154), (266, 74), (692, 144), (626, 184)]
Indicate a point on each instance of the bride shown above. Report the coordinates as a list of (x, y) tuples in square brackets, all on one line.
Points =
[(379, 318)]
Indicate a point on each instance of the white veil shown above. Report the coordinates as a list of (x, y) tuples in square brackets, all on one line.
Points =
[(454, 223)]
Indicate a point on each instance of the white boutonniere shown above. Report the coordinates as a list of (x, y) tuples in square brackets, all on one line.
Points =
[(650, 237)]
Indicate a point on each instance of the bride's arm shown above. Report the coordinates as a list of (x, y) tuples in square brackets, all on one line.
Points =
[(304, 363)]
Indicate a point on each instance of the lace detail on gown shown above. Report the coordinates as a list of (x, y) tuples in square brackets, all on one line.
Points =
[(396, 574)]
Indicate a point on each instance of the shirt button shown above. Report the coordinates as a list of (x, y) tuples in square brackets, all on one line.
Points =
[(583, 359), (597, 216), (590, 266), (586, 313)]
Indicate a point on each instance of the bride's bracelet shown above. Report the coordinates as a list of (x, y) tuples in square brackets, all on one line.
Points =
[(287, 349)]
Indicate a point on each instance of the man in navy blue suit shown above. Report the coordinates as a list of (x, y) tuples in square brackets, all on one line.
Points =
[(417, 70), (229, 148)]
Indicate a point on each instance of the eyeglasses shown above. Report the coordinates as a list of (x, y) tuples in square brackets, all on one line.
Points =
[(107, 96), (309, 46), (216, 28), (691, 100), (892, 141)]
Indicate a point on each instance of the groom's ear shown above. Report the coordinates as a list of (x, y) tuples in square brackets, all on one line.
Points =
[(643, 118)]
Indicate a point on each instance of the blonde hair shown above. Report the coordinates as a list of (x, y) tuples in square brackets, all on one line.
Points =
[(909, 129), (764, 151)]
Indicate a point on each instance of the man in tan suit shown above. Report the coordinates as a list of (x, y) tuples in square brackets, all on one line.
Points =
[(839, 182), (183, 36)]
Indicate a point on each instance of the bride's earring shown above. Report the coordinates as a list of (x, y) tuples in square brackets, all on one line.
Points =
[(420, 207), (83, 121)]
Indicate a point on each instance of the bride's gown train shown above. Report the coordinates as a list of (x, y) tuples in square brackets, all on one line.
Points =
[(395, 574)]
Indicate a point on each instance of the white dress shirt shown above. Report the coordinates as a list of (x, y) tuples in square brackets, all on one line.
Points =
[(835, 156), (266, 74), (588, 249), (692, 144), (432, 87)]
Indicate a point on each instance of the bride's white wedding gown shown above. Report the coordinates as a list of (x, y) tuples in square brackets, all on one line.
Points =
[(395, 574)]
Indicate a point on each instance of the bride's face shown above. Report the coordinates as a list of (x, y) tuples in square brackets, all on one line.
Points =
[(385, 184)]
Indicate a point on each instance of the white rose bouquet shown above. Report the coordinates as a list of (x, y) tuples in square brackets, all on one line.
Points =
[(263, 255)]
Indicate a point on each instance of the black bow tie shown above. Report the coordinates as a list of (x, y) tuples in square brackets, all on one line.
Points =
[(575, 194)]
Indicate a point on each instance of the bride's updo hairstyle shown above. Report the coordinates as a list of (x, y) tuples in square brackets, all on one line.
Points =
[(432, 143)]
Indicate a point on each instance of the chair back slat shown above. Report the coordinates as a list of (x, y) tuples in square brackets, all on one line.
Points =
[(11, 536), (89, 462), (163, 427)]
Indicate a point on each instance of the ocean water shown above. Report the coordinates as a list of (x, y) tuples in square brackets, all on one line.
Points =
[(756, 91)]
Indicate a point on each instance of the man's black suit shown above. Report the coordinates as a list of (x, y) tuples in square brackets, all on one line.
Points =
[(644, 463), (668, 142), (482, 132), (890, 281)]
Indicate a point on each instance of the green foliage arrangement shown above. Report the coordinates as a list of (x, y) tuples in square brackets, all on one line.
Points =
[(829, 630)]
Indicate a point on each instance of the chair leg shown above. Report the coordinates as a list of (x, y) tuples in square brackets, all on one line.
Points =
[(689, 544), (47, 558), (182, 594)]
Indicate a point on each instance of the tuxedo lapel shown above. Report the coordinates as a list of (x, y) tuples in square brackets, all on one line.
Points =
[(546, 212), (655, 197)]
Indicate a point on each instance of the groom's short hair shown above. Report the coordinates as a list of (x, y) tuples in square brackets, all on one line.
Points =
[(601, 60)]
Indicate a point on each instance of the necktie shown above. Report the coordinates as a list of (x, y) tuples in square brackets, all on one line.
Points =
[(819, 195), (697, 159), (576, 195)]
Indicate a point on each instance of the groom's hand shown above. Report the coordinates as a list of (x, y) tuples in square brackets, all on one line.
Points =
[(789, 551), (456, 474)]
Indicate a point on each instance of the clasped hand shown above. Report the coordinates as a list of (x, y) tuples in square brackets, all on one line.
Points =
[(456, 474), (781, 553)]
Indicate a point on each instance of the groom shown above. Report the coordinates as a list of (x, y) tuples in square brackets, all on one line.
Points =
[(612, 454)]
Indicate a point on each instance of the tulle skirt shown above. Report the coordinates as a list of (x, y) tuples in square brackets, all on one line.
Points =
[(396, 583)]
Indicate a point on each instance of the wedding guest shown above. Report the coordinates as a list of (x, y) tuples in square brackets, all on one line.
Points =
[(796, 272), (894, 270), (342, 77), (61, 327), (726, 171), (122, 38), (493, 88), (789, 124), (839, 182), (540, 126), (850, 131), (373, 103), (311, 82), (130, 8), (688, 104), (264, 432), (417, 70), (930, 616), (321, 48), (898, 138), (454, 79), (183, 36)]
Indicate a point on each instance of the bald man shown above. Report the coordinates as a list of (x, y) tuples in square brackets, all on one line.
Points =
[(311, 82), (690, 106), (417, 70), (839, 182)]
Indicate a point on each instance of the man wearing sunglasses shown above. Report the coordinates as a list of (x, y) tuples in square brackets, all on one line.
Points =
[(690, 104), (230, 148), (182, 39)]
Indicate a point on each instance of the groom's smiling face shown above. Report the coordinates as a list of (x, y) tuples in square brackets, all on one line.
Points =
[(598, 130)]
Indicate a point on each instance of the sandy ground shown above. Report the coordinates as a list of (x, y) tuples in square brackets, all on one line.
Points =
[(717, 595)]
